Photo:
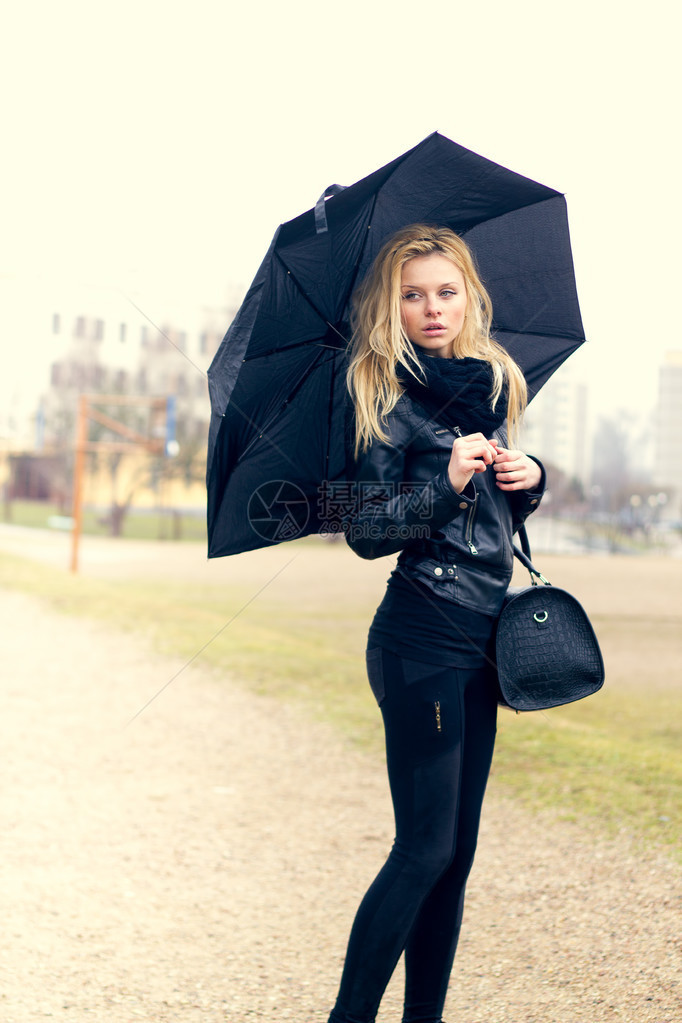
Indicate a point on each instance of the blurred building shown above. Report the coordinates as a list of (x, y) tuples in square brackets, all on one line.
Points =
[(119, 350), (668, 430), (63, 339), (68, 340), (556, 426)]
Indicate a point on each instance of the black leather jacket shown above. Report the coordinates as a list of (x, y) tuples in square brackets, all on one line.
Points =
[(459, 545)]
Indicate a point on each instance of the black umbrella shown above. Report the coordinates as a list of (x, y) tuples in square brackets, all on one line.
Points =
[(277, 383)]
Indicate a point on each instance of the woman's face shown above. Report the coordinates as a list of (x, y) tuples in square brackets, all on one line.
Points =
[(433, 303)]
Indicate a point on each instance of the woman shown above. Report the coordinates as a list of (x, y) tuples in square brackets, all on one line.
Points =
[(434, 397)]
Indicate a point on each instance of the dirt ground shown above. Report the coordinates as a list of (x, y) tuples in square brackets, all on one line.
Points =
[(203, 861)]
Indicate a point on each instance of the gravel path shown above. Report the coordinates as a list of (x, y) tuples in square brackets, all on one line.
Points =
[(203, 862)]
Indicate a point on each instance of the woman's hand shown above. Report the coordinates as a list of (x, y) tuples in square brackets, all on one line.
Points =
[(471, 454), (516, 471)]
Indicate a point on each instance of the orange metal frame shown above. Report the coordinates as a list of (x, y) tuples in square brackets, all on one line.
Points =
[(87, 412)]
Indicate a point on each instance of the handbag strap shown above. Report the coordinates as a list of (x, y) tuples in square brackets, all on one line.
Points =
[(524, 556)]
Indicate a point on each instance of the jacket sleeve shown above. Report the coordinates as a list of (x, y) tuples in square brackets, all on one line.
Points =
[(525, 502), (388, 510)]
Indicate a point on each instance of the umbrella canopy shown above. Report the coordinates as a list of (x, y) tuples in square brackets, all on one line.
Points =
[(277, 382)]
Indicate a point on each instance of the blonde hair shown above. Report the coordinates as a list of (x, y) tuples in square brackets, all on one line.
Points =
[(380, 345)]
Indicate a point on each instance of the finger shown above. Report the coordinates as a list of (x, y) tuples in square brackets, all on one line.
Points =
[(473, 438), (489, 452), (511, 459), (480, 438), (475, 448), (476, 461), (513, 481), (508, 455), (510, 485)]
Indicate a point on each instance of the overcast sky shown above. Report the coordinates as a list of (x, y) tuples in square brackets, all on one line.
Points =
[(155, 146)]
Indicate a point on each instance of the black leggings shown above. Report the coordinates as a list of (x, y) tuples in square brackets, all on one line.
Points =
[(440, 733)]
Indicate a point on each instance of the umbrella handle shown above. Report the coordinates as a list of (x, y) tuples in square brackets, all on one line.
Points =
[(320, 212)]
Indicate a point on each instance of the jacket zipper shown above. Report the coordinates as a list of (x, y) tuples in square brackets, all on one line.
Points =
[(439, 726), (469, 532)]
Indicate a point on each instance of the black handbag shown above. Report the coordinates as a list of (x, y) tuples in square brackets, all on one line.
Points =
[(546, 651)]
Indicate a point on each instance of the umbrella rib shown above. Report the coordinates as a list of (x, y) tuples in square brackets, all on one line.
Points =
[(299, 344), (312, 305), (537, 201), (263, 429), (307, 298), (260, 433), (364, 243), (537, 333), (332, 381)]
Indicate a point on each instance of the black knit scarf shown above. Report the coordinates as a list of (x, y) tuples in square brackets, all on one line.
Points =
[(457, 393)]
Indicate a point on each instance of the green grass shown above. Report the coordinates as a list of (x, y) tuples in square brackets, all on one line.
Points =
[(612, 761), (137, 525), (609, 760)]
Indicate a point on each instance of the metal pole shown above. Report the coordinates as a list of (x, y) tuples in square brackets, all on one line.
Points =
[(78, 469)]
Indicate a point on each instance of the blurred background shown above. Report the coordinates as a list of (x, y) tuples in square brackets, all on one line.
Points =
[(152, 150)]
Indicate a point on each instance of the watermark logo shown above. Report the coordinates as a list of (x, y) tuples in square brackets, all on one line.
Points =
[(278, 510)]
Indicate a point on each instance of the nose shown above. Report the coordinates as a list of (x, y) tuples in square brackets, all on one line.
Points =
[(432, 306)]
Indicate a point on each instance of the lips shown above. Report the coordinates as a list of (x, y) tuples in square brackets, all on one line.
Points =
[(435, 329)]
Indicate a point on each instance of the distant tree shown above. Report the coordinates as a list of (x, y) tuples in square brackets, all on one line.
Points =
[(160, 372), (624, 499)]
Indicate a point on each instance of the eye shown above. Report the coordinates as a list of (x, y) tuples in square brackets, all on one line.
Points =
[(448, 291), (410, 295)]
